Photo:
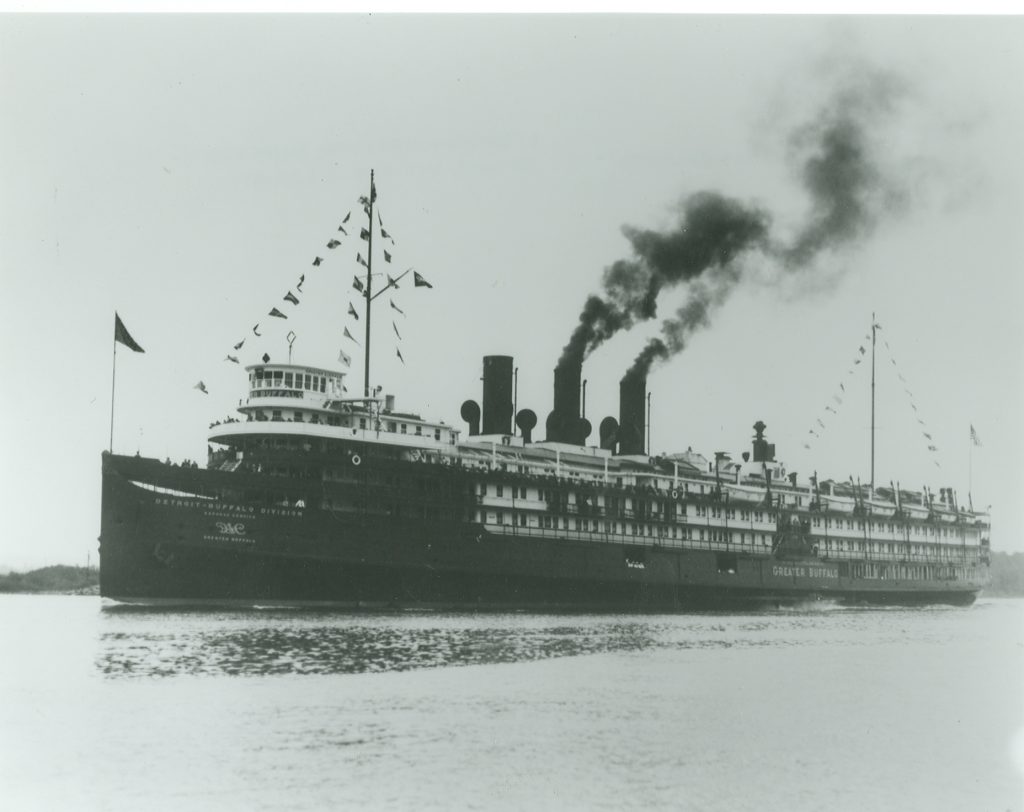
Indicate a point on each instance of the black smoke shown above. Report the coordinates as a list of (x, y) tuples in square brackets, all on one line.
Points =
[(837, 164)]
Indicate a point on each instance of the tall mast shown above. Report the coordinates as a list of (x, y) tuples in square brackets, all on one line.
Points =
[(369, 278), (873, 328)]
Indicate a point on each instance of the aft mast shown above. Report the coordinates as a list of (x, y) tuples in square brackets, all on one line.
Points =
[(874, 328), (369, 279)]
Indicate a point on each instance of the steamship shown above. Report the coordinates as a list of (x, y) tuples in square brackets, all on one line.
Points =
[(311, 497)]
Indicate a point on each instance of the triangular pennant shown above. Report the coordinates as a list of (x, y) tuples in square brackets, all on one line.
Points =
[(238, 346), (291, 297), (396, 307), (333, 243), (302, 278), (357, 283), (387, 257), (419, 281), (201, 387), (391, 282), (342, 230), (318, 260), (344, 359), (361, 261), (399, 353), (275, 312), (352, 310), (386, 236), (231, 358), (346, 217), (256, 330), (395, 328), (122, 336), (364, 234), (349, 336)]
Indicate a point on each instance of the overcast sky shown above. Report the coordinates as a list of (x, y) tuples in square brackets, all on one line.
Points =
[(186, 170)]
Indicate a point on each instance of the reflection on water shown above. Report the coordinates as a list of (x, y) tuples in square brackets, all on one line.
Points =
[(285, 644), (150, 642)]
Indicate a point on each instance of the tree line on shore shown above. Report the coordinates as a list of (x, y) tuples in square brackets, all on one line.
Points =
[(59, 578)]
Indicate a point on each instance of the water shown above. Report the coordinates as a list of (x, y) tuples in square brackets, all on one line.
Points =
[(127, 709)]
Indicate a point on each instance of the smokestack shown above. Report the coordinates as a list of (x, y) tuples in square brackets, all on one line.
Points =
[(563, 424), (497, 411), (632, 402)]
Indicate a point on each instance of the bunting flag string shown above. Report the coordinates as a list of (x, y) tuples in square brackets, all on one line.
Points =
[(837, 397), (925, 433)]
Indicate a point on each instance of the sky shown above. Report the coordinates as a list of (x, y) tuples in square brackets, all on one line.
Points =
[(185, 171)]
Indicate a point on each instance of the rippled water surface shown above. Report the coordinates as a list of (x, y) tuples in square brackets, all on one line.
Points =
[(112, 708)]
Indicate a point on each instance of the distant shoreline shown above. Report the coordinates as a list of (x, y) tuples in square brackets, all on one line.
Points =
[(55, 580)]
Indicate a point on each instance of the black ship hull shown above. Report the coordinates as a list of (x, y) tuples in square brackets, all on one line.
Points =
[(166, 546)]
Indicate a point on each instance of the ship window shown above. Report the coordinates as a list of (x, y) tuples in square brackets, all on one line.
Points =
[(278, 375), (437, 434), (404, 428), (276, 414), (500, 490), (323, 384), (288, 379), (298, 417), (419, 431)]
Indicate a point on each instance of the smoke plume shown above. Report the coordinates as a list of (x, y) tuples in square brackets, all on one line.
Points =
[(717, 236)]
